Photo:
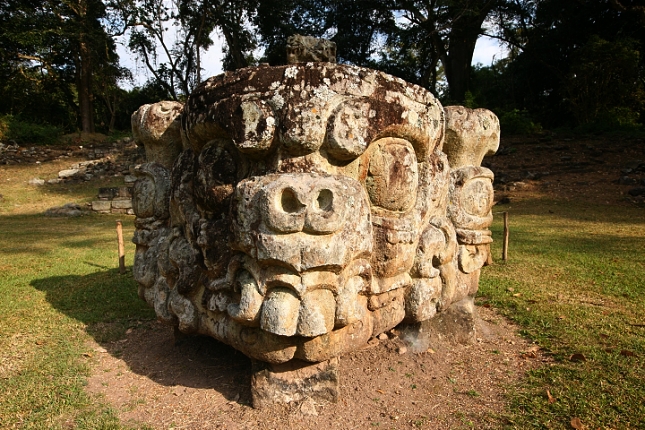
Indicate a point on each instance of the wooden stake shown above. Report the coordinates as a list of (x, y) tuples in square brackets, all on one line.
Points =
[(505, 245), (119, 238)]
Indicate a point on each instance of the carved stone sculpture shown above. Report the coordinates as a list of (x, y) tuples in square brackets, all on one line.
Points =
[(302, 49), (158, 129), (312, 207)]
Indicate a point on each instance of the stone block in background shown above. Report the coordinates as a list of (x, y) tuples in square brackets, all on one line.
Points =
[(102, 206), (108, 193), (122, 203)]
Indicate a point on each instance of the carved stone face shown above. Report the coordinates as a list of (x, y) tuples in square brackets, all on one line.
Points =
[(309, 211)]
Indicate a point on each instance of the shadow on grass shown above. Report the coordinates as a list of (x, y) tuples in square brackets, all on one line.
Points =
[(582, 210), (113, 314), (528, 238), (85, 190), (39, 235)]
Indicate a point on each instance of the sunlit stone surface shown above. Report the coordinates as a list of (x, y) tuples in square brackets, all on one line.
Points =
[(310, 207)]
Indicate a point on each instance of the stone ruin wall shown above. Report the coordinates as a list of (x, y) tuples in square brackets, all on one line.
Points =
[(297, 211)]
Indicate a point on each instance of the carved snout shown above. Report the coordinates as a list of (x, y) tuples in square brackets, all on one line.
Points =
[(302, 220), (311, 205)]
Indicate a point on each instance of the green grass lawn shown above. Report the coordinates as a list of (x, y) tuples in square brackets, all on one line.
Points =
[(59, 289), (574, 283), (60, 285)]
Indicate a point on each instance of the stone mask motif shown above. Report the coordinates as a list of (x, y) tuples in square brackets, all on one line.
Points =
[(311, 208)]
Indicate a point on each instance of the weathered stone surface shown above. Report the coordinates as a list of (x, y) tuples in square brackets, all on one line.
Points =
[(36, 181), (68, 210), (471, 134), (294, 381), (157, 127), (67, 173), (125, 192), (108, 193), (122, 203), (312, 208), (101, 205), (303, 49)]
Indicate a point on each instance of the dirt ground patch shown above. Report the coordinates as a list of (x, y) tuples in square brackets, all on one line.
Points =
[(605, 170), (203, 384)]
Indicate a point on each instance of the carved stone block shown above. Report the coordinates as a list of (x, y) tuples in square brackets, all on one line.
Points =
[(310, 207), (294, 381), (303, 49)]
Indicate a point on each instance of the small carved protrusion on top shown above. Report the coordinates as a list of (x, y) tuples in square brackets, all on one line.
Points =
[(303, 49), (471, 134), (158, 128)]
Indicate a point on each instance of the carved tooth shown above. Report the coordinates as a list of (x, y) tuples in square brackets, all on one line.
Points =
[(421, 299), (280, 312), (317, 312), (250, 302), (350, 306)]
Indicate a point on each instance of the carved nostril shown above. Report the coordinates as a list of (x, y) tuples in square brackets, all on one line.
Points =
[(325, 200), (290, 202)]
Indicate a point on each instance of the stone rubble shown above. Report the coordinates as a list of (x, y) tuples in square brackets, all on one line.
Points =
[(581, 156), (116, 160), (67, 210)]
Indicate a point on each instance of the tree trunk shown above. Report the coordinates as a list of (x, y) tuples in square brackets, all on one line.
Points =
[(459, 59), (233, 44), (465, 30), (85, 87), (113, 109)]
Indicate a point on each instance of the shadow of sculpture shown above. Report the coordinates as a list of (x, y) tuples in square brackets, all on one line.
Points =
[(125, 327)]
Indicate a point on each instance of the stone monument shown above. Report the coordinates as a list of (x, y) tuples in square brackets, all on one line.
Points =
[(294, 212)]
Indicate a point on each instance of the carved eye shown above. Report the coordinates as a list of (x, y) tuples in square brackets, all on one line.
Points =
[(216, 176), (348, 130), (254, 126), (477, 196), (393, 175)]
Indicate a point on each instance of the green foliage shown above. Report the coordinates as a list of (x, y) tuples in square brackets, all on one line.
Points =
[(49, 53), (579, 62), (178, 66), (469, 100), (407, 39), (22, 132), (516, 122), (604, 84), (570, 65), (617, 119)]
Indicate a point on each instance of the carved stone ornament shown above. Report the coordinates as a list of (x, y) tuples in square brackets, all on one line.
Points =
[(301, 49), (312, 207)]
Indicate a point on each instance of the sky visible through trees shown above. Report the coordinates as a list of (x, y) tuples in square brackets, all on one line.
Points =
[(487, 51), (87, 64)]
